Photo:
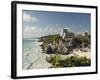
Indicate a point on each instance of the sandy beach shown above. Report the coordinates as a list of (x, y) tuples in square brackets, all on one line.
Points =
[(35, 59), (41, 61), (86, 54)]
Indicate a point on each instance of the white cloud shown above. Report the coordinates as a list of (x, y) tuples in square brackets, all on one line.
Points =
[(31, 28), (28, 31), (34, 31), (27, 17)]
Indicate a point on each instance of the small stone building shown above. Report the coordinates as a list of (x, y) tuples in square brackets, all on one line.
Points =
[(65, 33)]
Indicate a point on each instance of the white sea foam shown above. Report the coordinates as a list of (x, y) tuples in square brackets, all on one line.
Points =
[(34, 58)]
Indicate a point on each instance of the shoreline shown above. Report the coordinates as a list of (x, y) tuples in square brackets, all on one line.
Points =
[(41, 63), (36, 59)]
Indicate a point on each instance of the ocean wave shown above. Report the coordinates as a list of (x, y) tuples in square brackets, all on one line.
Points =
[(31, 55)]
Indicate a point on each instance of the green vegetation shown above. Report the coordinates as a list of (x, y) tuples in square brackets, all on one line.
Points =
[(50, 38), (72, 61), (80, 41), (54, 60), (54, 44)]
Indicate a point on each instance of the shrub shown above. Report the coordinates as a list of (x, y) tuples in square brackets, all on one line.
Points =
[(55, 60), (50, 38), (72, 61), (76, 42)]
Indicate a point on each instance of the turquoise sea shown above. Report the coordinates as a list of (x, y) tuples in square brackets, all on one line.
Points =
[(29, 50), (28, 43), (32, 55)]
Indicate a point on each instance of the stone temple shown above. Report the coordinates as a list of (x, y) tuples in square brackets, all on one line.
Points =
[(66, 33)]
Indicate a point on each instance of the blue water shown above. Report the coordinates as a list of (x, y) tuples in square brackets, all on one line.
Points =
[(30, 51), (32, 55), (27, 44)]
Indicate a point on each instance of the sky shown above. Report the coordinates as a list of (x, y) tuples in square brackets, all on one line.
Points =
[(42, 23)]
